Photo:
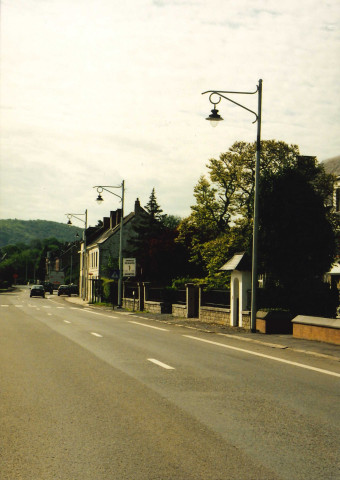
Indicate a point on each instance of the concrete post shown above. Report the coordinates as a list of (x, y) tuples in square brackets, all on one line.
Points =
[(191, 300)]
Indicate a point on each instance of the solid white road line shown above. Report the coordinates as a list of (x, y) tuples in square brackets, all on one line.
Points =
[(149, 326), (160, 364), (288, 362), (66, 321), (97, 313), (96, 334)]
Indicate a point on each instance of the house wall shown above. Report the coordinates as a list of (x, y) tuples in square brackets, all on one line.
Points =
[(105, 243), (111, 246)]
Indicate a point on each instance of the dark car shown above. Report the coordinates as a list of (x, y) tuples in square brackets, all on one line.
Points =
[(64, 290), (48, 287), (74, 289), (37, 291)]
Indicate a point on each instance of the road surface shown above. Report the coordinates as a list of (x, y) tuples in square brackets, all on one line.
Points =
[(92, 395)]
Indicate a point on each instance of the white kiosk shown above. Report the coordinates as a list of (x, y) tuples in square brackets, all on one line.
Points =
[(240, 286)]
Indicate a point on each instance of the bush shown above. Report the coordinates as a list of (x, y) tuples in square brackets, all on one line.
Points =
[(313, 298), (107, 285)]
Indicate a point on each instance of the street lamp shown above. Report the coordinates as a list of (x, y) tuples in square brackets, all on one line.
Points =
[(99, 200), (214, 117), (83, 263)]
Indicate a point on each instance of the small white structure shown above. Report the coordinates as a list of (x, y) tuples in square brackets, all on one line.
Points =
[(240, 284)]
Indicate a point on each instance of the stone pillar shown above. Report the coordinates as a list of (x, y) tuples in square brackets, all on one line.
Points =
[(141, 293), (146, 286), (191, 300), (200, 293)]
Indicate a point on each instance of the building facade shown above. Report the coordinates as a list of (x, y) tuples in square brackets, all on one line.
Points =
[(99, 257)]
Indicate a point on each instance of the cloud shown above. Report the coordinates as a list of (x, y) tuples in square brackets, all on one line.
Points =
[(96, 92)]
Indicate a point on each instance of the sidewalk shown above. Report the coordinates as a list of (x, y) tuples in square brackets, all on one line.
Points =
[(310, 347)]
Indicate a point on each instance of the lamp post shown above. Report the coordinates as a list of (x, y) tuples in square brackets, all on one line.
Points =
[(99, 200), (83, 263), (214, 117), (76, 238)]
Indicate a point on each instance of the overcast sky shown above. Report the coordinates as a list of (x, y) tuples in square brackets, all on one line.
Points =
[(94, 92)]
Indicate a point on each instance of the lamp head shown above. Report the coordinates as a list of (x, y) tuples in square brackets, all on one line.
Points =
[(99, 199), (69, 222), (214, 117)]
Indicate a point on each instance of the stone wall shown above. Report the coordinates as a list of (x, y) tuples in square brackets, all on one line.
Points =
[(131, 304), (246, 320), (215, 315), (156, 307), (179, 310)]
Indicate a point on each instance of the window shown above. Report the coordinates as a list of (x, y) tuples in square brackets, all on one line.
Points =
[(337, 200)]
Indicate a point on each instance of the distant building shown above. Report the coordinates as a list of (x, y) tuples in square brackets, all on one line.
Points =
[(332, 166), (102, 249)]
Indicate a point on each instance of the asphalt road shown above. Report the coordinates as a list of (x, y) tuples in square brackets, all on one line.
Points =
[(108, 395)]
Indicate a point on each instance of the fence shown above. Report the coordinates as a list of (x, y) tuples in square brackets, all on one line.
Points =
[(191, 302), (215, 298)]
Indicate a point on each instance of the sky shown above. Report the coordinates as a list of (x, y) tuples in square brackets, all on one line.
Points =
[(94, 92)]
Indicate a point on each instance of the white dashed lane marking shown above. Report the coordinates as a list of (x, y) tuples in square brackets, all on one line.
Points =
[(160, 364), (149, 326)]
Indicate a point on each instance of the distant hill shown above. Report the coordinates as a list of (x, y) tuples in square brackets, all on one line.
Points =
[(23, 231)]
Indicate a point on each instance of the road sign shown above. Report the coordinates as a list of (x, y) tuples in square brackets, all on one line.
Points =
[(129, 267), (115, 275)]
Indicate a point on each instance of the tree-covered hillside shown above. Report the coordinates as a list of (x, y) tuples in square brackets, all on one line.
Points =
[(23, 231)]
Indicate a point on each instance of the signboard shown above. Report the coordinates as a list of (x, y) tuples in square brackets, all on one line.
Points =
[(115, 275), (129, 267), (56, 277)]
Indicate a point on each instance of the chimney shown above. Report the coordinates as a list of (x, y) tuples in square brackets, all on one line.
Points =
[(113, 220), (118, 216), (106, 223), (138, 208)]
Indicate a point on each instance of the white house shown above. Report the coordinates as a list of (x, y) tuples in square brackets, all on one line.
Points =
[(102, 248)]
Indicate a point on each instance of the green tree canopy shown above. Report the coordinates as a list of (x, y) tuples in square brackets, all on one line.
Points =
[(220, 223), (159, 257), (296, 242)]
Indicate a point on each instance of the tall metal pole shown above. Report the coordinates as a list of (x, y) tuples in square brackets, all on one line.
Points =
[(215, 118), (256, 214), (120, 281), (84, 289)]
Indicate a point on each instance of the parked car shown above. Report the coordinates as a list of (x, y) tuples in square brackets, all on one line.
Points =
[(48, 287), (64, 290), (37, 291), (74, 289)]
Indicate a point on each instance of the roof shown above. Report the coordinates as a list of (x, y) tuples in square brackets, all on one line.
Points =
[(240, 261), (332, 165), (111, 231), (335, 270)]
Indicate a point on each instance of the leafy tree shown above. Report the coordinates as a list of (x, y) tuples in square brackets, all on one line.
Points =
[(171, 221), (297, 241), (27, 261), (220, 223), (153, 209), (159, 257)]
